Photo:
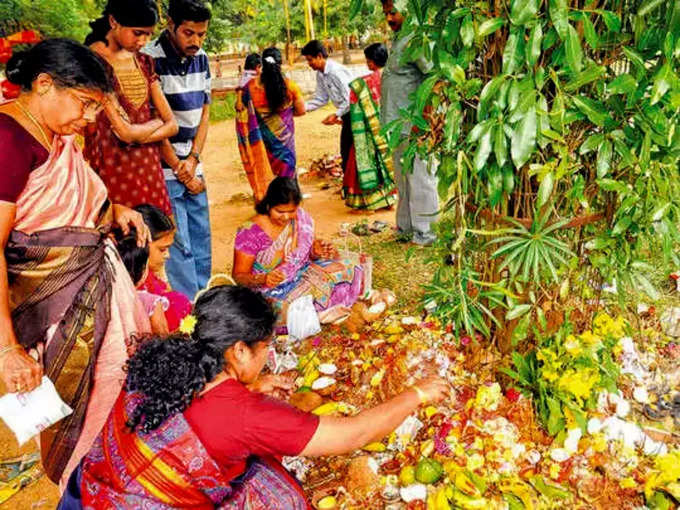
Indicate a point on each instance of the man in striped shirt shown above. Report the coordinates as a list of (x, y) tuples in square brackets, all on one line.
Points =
[(184, 72)]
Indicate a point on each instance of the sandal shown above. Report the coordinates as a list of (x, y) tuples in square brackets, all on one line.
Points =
[(361, 229), (378, 226)]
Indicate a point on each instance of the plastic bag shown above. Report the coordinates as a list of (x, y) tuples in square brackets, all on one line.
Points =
[(28, 414), (302, 320)]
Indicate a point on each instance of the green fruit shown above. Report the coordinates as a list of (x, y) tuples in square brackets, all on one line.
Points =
[(429, 471), (407, 476)]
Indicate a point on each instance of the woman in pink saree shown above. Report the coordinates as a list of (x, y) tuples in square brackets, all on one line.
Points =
[(278, 254), (68, 308)]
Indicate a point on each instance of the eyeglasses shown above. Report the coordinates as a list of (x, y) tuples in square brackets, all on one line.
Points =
[(88, 105)]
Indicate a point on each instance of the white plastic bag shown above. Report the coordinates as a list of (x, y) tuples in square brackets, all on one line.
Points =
[(302, 320), (28, 414)]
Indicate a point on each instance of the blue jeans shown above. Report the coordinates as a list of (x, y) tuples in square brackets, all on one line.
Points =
[(190, 263)]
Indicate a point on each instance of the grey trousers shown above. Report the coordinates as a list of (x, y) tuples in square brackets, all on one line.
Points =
[(418, 198)]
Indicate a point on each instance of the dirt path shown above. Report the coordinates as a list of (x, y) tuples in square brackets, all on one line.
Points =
[(226, 182)]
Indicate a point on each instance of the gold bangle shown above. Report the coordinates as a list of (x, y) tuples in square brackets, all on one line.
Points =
[(421, 394), (9, 348)]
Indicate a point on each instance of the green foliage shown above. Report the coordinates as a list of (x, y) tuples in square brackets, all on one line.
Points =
[(65, 18), (223, 108), (555, 126)]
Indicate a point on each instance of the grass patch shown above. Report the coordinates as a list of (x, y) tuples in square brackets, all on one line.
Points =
[(223, 108)]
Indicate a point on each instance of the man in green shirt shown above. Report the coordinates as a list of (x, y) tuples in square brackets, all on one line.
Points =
[(418, 199)]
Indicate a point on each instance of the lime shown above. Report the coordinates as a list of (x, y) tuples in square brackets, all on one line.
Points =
[(429, 471)]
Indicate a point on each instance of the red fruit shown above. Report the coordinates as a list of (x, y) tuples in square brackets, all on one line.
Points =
[(512, 395)]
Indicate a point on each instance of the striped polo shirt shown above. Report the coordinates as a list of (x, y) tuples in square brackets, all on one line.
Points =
[(186, 84)]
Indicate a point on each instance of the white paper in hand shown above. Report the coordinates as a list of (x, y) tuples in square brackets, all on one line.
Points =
[(28, 414)]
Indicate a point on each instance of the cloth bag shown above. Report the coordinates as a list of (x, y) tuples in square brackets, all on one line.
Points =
[(366, 263), (302, 320)]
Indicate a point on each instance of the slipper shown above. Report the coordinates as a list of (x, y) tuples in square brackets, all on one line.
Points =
[(22, 481), (361, 229), (378, 226), (11, 468)]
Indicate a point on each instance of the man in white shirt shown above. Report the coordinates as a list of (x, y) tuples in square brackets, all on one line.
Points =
[(332, 84)]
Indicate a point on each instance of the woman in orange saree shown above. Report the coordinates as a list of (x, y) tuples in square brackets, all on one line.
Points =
[(67, 306)]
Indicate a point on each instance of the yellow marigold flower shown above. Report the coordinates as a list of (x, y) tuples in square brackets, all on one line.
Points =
[(599, 443), (549, 375), (579, 383), (589, 338), (554, 471), (188, 325), (628, 483)]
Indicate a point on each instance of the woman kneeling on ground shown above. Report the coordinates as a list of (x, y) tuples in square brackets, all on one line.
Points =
[(277, 252), (194, 428)]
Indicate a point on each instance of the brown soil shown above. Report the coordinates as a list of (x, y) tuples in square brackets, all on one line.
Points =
[(230, 205)]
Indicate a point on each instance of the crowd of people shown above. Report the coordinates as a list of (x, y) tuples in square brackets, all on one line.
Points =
[(106, 255)]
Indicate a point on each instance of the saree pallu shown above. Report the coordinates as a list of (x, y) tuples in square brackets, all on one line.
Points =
[(266, 140), (170, 468), (67, 291), (369, 176)]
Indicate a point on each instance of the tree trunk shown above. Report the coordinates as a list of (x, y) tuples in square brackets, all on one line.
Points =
[(346, 57)]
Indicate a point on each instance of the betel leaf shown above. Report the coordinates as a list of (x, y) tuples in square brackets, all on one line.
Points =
[(513, 53), (488, 94), (594, 110), (573, 50), (545, 189), (559, 14), (590, 34), (522, 11), (592, 142), (523, 140), (533, 49), (483, 150), (604, 157), (611, 19), (467, 31), (489, 26), (622, 84), (500, 146), (662, 82)]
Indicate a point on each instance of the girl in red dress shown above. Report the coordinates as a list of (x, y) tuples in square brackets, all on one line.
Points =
[(123, 145)]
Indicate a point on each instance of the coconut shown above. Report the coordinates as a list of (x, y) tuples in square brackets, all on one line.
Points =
[(327, 368), (324, 385), (306, 401), (377, 309)]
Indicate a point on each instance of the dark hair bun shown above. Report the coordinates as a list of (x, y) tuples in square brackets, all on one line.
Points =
[(15, 69)]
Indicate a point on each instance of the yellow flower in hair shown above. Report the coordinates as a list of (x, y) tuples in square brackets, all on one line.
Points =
[(188, 325)]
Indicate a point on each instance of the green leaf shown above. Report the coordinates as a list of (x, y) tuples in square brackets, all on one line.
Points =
[(611, 19), (483, 150), (622, 225), (522, 11), (495, 185), (533, 49), (573, 50), (500, 146), (662, 82), (424, 92), (661, 212), (589, 33), (594, 110), (508, 179), (467, 31), (586, 76), (559, 14), (627, 157), (489, 26), (488, 93), (556, 420), (604, 157), (523, 139), (550, 491), (636, 59), (355, 7), (521, 330), (592, 142), (513, 53), (622, 84), (545, 189), (649, 6), (517, 312)]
